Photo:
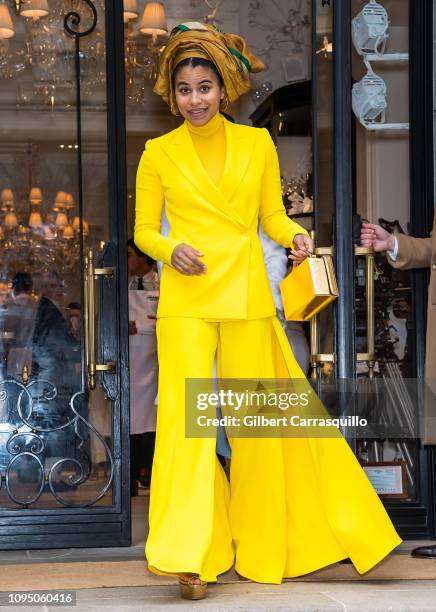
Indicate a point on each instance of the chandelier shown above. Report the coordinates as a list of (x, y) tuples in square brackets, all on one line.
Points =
[(44, 51), (47, 53), (141, 59), (33, 44), (36, 244)]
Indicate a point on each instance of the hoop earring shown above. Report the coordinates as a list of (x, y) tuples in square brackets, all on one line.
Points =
[(224, 102)]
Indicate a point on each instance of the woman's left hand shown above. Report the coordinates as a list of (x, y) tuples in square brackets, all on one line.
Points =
[(303, 248)]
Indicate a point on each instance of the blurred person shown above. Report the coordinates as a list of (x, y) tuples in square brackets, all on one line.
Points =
[(55, 349), (143, 366), (5, 290), (276, 263), (74, 317), (21, 319), (5, 335)]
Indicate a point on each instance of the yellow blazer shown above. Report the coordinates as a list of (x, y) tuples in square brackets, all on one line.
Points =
[(221, 221)]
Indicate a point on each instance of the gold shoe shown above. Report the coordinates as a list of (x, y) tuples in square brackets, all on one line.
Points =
[(190, 589)]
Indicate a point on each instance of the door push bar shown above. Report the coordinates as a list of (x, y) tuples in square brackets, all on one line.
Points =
[(369, 356), (91, 274), (317, 358)]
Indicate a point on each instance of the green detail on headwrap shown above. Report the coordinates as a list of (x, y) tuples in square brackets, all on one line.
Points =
[(180, 28), (184, 28), (240, 57)]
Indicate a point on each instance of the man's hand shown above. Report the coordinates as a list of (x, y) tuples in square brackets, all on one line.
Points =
[(304, 247), (132, 328), (185, 260), (375, 236)]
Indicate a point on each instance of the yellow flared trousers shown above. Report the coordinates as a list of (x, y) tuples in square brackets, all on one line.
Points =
[(293, 505)]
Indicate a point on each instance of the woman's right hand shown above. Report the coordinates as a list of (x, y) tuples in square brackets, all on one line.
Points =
[(185, 260)]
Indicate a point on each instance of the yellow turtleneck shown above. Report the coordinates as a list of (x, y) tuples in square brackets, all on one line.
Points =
[(210, 143)]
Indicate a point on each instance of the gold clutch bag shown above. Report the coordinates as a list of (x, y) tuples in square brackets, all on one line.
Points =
[(308, 288)]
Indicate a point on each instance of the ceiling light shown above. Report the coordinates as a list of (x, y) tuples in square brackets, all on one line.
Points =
[(35, 195), (35, 9), (154, 20), (6, 25), (35, 219), (61, 220), (11, 220), (7, 196), (130, 10)]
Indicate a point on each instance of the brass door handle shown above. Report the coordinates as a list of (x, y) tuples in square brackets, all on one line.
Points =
[(90, 276), (317, 358), (369, 356)]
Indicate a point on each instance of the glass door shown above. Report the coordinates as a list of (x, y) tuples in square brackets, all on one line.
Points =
[(63, 407), (372, 100)]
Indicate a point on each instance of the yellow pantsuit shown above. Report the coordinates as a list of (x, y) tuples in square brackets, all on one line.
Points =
[(293, 505)]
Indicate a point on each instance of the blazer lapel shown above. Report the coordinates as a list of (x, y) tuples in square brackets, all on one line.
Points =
[(182, 153), (238, 157)]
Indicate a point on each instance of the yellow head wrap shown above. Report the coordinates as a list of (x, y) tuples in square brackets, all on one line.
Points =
[(229, 53)]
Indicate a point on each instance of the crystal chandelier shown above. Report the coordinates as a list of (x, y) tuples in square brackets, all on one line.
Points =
[(35, 244), (142, 59), (47, 53)]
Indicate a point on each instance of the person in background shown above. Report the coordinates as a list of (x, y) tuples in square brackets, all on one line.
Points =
[(5, 289), (143, 298), (74, 315), (5, 335), (55, 355), (54, 347), (406, 253), (276, 263), (21, 313)]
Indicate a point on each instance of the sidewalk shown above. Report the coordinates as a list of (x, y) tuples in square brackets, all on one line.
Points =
[(395, 596), (336, 588)]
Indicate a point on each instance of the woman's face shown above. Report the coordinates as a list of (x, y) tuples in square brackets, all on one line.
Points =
[(198, 93)]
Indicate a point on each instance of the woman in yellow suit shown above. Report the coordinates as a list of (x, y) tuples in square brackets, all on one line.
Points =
[(293, 505)]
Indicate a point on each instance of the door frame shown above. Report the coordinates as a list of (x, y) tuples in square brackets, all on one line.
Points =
[(28, 528)]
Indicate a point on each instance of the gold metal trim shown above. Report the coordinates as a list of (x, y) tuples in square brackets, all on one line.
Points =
[(109, 272), (325, 357), (314, 345), (369, 356), (365, 357), (324, 251), (105, 367), (317, 358), (361, 250), (91, 274), (25, 374)]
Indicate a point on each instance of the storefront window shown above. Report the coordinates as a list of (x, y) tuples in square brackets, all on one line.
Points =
[(382, 193), (55, 441)]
